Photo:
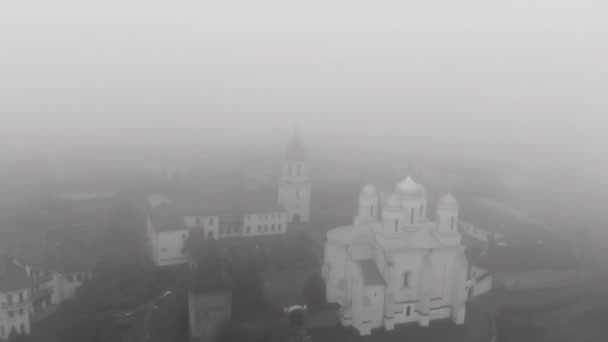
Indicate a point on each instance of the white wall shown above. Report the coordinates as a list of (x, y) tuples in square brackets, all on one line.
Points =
[(68, 288), (295, 198), (171, 248), (18, 318)]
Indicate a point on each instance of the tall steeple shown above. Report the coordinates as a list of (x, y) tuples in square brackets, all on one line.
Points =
[(295, 149), (294, 185)]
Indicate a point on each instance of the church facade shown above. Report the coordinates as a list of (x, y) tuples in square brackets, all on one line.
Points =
[(395, 265)]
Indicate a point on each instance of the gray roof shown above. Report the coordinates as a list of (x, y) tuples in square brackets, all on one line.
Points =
[(62, 260), (371, 274), (163, 219), (13, 278), (223, 201)]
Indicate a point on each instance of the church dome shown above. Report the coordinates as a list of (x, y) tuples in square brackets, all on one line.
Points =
[(408, 188), (447, 202), (369, 191), (393, 203)]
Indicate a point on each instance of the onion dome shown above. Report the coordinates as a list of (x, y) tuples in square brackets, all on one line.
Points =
[(408, 188), (448, 202), (392, 203), (369, 191)]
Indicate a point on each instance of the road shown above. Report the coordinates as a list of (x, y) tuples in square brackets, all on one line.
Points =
[(161, 319)]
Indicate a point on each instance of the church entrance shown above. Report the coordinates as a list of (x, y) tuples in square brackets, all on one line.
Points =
[(296, 218)]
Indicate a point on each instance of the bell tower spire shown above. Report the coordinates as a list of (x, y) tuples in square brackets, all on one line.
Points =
[(294, 185)]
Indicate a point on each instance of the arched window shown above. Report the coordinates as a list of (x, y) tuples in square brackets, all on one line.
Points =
[(408, 311), (407, 280)]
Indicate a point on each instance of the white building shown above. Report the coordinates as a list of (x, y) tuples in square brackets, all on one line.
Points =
[(394, 265), (218, 212), (228, 210), (35, 281), (167, 234), (294, 184), (15, 299)]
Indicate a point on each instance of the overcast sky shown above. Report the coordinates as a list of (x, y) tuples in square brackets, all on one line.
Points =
[(511, 77)]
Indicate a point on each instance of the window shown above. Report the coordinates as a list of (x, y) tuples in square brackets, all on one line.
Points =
[(9, 299), (297, 193), (421, 209), (20, 296), (412, 217), (197, 220), (407, 280), (438, 219), (183, 236), (1, 330), (11, 314), (272, 227), (265, 228), (248, 229), (21, 312), (298, 169), (211, 220), (452, 223), (71, 277), (183, 251), (396, 225), (279, 227), (80, 277), (408, 311)]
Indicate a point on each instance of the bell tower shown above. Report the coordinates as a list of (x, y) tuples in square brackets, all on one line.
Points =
[(294, 184)]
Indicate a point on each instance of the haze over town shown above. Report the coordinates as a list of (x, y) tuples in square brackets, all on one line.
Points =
[(503, 100)]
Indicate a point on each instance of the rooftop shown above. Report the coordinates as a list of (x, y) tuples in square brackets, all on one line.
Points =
[(371, 274), (62, 260), (12, 278), (164, 219), (227, 200)]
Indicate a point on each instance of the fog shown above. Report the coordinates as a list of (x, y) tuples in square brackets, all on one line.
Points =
[(498, 102), (470, 80)]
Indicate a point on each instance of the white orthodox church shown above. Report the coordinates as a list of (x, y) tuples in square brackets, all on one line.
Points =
[(294, 184), (394, 265)]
